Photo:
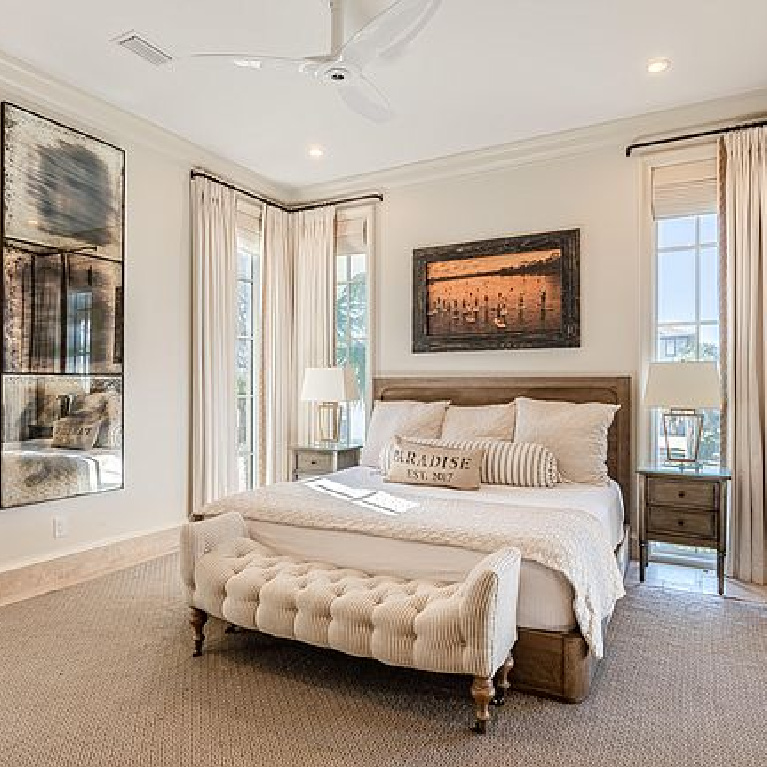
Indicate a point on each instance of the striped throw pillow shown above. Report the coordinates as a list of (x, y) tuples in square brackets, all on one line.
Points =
[(523, 464)]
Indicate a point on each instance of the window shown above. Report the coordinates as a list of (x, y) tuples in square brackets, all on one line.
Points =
[(687, 306), (247, 341), (353, 269)]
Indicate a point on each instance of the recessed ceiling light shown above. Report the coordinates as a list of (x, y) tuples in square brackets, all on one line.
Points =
[(251, 63), (656, 66), (316, 151)]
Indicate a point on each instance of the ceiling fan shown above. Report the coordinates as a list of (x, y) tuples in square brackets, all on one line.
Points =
[(386, 37)]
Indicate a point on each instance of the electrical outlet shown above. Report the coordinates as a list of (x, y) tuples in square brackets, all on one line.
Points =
[(60, 527)]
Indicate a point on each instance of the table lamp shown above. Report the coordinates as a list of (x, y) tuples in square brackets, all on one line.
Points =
[(682, 388), (328, 387)]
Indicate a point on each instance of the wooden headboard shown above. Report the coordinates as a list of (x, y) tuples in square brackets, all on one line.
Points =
[(492, 390)]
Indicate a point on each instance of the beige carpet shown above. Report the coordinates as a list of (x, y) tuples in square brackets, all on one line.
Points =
[(102, 674)]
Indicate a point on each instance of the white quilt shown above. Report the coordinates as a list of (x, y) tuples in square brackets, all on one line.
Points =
[(570, 541)]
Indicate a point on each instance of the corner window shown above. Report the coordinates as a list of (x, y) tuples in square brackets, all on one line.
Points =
[(247, 341), (353, 271)]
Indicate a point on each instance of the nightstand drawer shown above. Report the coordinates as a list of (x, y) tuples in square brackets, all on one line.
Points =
[(310, 462), (678, 492), (669, 521)]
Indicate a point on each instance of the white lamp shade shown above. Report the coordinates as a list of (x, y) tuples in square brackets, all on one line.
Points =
[(688, 385), (329, 385)]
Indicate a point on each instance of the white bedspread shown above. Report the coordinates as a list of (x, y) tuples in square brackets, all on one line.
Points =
[(570, 541)]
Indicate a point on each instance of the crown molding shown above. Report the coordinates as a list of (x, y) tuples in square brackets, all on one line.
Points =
[(614, 135), (29, 87)]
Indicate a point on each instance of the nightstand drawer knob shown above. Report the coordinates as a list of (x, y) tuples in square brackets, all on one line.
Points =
[(313, 462), (682, 493), (680, 522)]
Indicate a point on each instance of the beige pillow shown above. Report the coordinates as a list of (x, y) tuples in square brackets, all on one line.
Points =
[(575, 433), (483, 422), (417, 464), (78, 432), (404, 418)]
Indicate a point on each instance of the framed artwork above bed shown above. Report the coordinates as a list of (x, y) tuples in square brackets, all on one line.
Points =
[(509, 293), (62, 211)]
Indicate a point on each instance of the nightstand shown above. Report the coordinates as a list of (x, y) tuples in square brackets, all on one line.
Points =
[(315, 460), (687, 506)]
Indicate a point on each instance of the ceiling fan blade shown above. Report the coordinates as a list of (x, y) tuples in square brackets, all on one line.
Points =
[(390, 33), (309, 65), (362, 97)]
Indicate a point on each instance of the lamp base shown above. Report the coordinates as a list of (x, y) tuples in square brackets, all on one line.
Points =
[(682, 430), (328, 422)]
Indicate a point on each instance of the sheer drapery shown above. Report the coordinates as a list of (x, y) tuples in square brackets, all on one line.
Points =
[(214, 273), (276, 384), (314, 303), (745, 216)]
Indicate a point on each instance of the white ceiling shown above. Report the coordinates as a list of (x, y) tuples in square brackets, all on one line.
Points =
[(484, 72)]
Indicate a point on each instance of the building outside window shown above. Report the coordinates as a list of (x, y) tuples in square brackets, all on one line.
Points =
[(247, 341), (353, 280)]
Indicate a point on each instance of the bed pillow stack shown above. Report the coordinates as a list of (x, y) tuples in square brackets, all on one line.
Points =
[(575, 433), (403, 418), (503, 462)]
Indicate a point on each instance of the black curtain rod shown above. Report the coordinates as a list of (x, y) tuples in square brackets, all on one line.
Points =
[(280, 205), (688, 136)]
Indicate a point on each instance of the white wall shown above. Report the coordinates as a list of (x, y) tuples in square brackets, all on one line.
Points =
[(596, 192), (157, 332)]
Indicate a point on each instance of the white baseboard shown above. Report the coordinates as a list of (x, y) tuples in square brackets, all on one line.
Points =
[(53, 574)]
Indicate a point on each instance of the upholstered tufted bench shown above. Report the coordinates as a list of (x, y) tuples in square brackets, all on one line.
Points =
[(457, 628)]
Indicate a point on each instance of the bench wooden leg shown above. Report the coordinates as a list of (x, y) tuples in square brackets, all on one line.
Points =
[(197, 620), (502, 683), (482, 691)]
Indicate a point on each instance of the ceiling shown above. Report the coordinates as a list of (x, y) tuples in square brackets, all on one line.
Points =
[(483, 72)]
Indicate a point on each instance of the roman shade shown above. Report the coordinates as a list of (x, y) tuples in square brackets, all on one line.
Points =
[(684, 189)]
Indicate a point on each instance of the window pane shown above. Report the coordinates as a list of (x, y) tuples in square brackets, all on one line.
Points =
[(675, 343), (245, 472), (244, 262), (244, 425), (676, 286), (676, 232), (244, 366), (709, 228), (342, 314), (710, 437), (244, 308), (709, 342), (342, 268), (709, 284), (358, 265)]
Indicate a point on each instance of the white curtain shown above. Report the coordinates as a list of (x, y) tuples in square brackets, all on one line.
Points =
[(314, 303), (214, 469), (745, 213), (277, 390)]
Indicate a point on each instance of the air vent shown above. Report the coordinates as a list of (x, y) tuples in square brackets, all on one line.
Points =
[(135, 43)]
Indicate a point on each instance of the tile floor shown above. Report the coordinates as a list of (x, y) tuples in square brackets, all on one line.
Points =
[(696, 579)]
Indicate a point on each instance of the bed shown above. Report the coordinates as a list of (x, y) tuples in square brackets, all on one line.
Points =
[(552, 655)]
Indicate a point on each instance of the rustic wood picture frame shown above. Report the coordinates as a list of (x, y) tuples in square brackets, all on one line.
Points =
[(568, 330)]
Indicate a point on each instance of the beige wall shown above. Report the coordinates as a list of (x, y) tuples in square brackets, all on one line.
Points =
[(596, 192), (157, 335)]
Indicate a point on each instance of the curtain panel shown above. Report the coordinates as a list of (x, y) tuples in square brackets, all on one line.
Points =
[(744, 161), (314, 304), (214, 274), (276, 380)]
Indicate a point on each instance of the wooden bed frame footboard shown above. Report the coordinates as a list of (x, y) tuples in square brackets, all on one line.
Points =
[(547, 663)]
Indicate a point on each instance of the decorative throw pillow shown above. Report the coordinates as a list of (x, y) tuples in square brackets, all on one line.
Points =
[(404, 418), (415, 463), (483, 422), (78, 432), (575, 433), (504, 462)]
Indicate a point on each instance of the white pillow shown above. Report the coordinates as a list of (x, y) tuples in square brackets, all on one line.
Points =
[(415, 463), (575, 433), (483, 422), (404, 418)]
